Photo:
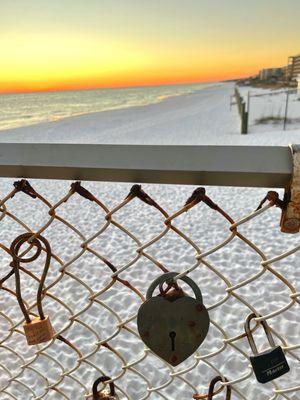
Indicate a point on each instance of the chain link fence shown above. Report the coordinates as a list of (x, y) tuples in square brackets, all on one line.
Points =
[(106, 251)]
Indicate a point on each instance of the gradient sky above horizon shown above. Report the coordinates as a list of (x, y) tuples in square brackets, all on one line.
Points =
[(69, 44)]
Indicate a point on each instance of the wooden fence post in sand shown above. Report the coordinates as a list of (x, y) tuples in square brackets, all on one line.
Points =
[(242, 111)]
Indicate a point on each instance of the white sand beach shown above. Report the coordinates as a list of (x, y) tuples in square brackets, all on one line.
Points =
[(203, 117), (199, 118)]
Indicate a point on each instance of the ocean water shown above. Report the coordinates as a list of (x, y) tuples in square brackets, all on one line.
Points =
[(18, 110)]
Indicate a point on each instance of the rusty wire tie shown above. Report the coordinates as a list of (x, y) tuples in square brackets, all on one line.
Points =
[(24, 186), (212, 393), (290, 205), (137, 191), (273, 197)]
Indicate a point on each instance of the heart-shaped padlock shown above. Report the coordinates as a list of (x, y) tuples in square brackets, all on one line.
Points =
[(173, 326)]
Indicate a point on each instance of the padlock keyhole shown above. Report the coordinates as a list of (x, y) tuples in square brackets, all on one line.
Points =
[(172, 336)]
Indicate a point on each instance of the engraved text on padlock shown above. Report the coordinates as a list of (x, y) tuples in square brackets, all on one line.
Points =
[(38, 331)]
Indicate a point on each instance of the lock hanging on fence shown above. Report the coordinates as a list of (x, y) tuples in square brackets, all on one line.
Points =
[(270, 364), (173, 325), (105, 393), (37, 330), (212, 393)]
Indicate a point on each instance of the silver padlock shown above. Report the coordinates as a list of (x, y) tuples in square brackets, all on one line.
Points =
[(270, 364), (173, 325), (105, 393)]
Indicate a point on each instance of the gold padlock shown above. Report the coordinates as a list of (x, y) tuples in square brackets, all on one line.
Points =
[(38, 330)]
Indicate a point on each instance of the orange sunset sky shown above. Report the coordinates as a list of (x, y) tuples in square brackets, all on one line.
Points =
[(82, 44)]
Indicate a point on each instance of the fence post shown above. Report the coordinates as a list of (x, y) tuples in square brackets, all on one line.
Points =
[(242, 111), (244, 117), (286, 110)]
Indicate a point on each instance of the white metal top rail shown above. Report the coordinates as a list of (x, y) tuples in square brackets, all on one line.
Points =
[(251, 166)]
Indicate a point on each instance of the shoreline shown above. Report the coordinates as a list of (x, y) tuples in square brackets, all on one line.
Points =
[(124, 107), (121, 119), (157, 100)]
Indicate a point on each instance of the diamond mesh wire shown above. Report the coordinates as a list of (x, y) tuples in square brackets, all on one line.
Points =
[(105, 254)]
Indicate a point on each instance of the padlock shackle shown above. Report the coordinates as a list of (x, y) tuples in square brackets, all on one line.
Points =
[(211, 388), (14, 250), (103, 379), (167, 277), (250, 335)]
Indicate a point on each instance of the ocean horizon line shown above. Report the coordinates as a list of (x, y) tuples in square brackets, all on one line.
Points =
[(46, 91)]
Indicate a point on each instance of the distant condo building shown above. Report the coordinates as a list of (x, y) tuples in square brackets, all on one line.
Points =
[(289, 72), (293, 67), (288, 75), (270, 73)]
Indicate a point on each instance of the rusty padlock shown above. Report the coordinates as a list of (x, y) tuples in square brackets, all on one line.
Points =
[(269, 364), (104, 394), (290, 217), (173, 325), (38, 330), (212, 393)]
